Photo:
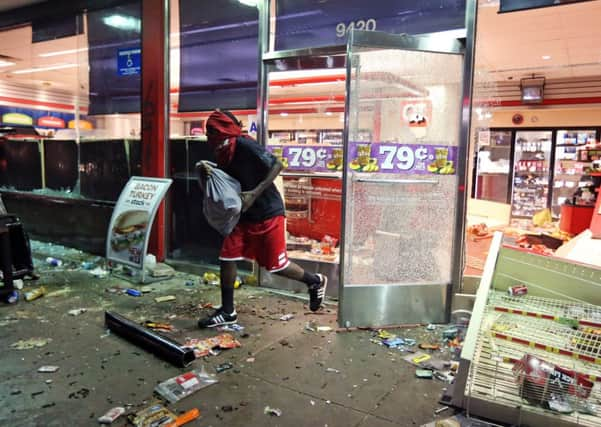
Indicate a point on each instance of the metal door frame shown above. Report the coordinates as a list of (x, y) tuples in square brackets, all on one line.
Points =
[(370, 39)]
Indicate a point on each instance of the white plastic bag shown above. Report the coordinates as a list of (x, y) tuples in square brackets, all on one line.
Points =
[(221, 204)]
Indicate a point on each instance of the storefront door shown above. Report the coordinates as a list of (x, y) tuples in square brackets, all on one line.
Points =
[(400, 181)]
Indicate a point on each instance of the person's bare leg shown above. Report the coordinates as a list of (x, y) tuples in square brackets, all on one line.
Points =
[(228, 270)]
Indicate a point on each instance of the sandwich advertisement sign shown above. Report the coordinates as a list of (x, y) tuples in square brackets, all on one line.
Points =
[(130, 225)]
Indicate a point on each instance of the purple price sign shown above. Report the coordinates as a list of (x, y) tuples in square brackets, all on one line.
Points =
[(308, 157), (380, 157)]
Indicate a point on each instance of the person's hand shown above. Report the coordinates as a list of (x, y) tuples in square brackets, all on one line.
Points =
[(248, 198), (204, 169)]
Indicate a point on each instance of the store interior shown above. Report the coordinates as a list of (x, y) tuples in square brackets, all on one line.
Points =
[(526, 155)]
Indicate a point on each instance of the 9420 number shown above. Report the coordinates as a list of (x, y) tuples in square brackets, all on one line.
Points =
[(342, 28)]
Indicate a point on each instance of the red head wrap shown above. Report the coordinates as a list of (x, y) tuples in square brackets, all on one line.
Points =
[(222, 131)]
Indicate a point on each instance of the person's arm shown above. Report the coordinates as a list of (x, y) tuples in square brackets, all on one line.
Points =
[(249, 197)]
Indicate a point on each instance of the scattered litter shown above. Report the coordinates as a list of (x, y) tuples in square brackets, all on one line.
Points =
[(115, 290), (108, 332), (426, 346), (165, 298), (146, 289), (210, 278), (223, 367), (54, 262), (18, 284), (148, 417), (204, 347), (133, 292), (161, 270), (111, 415), (336, 371), (442, 409), (77, 311), (176, 388), (423, 373), (99, 272), (189, 282), (272, 411), (312, 402), (420, 358), (87, 265), (287, 317), (48, 381), (35, 294), (159, 326), (324, 328), (450, 333), (59, 292), (48, 368), (393, 342), (30, 343), (431, 327), (250, 360), (231, 328)]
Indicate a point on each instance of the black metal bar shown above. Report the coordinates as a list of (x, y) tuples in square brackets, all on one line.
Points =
[(164, 347)]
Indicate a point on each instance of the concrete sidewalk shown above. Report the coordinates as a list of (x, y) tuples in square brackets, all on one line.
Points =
[(373, 386)]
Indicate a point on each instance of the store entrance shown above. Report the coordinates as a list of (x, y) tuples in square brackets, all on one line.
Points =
[(400, 192), (369, 140)]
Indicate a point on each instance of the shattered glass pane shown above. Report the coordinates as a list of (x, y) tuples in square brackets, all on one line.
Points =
[(400, 225)]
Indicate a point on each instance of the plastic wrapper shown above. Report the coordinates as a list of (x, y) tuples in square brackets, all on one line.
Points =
[(221, 203), (546, 384), (205, 346), (176, 388), (152, 416)]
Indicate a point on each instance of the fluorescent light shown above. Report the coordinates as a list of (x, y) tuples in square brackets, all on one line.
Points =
[(49, 68), (546, 57), (123, 22), (62, 52), (4, 63), (249, 2)]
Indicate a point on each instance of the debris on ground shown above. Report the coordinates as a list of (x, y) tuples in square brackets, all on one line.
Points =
[(204, 347), (223, 367), (148, 417), (99, 273), (287, 317), (133, 292), (231, 328), (165, 298), (176, 388), (313, 326), (272, 411), (161, 327), (77, 311), (35, 294), (48, 368), (111, 415), (30, 343)]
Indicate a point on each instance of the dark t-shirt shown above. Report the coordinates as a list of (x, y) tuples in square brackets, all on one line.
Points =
[(250, 165)]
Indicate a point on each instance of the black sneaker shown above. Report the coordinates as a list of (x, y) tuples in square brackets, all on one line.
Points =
[(317, 293), (219, 318)]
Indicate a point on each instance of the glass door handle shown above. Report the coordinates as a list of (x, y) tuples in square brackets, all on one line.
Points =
[(397, 181)]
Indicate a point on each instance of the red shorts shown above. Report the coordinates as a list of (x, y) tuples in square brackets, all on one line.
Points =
[(264, 242)]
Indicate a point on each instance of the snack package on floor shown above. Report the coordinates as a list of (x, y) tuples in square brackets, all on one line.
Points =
[(545, 383), (203, 347), (153, 416), (176, 388)]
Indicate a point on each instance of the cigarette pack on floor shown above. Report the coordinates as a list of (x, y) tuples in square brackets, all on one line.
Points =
[(176, 388), (152, 416)]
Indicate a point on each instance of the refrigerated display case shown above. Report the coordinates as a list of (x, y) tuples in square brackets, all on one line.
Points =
[(493, 165), (569, 168), (531, 172)]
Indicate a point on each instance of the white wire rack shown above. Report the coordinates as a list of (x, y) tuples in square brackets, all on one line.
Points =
[(559, 309), (568, 390)]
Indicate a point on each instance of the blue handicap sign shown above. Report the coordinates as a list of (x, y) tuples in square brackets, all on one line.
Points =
[(129, 61)]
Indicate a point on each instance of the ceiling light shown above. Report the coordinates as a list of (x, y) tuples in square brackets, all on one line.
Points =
[(249, 2), (283, 114), (49, 68), (6, 63), (62, 52), (546, 57), (123, 22)]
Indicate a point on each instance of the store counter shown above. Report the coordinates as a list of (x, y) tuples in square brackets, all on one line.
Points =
[(575, 219)]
